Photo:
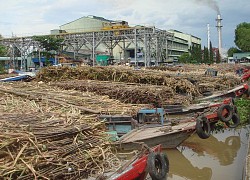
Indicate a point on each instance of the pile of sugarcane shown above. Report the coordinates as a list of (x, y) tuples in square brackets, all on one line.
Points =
[(42, 142), (180, 86), (118, 74), (218, 83), (129, 75), (128, 93), (34, 148), (85, 101)]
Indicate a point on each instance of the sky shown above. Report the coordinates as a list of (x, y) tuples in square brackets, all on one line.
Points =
[(36, 17)]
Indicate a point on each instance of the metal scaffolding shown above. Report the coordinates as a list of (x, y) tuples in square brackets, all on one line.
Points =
[(153, 41)]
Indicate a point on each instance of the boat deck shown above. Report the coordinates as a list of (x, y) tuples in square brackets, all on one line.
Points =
[(146, 132), (230, 93)]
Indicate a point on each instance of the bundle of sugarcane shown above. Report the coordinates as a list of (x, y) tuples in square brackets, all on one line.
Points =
[(217, 83), (126, 92), (84, 101), (223, 69), (39, 140), (111, 74), (40, 147), (117, 74)]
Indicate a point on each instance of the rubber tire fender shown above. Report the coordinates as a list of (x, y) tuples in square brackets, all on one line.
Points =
[(157, 166), (233, 101), (235, 121), (202, 127), (235, 109), (248, 91), (230, 112), (165, 157)]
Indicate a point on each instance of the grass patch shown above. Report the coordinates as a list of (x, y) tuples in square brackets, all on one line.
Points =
[(243, 106)]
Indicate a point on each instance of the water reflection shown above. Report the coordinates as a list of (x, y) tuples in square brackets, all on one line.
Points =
[(222, 156), (182, 167), (224, 151)]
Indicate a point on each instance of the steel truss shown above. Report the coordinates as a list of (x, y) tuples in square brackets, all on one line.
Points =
[(153, 41)]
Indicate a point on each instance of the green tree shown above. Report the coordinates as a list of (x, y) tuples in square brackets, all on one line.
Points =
[(232, 50), (218, 58), (205, 55), (199, 54), (195, 54), (51, 45), (3, 49), (242, 36), (3, 52), (184, 58), (211, 54)]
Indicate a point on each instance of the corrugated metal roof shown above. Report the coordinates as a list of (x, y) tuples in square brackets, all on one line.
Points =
[(90, 16)]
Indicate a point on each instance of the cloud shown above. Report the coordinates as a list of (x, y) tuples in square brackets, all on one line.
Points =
[(40, 16)]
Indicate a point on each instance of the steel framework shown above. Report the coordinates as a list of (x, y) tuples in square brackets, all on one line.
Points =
[(154, 42)]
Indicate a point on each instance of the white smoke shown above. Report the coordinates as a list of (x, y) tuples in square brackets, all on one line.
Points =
[(210, 3)]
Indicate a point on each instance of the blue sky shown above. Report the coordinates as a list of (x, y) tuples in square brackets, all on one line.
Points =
[(30, 17)]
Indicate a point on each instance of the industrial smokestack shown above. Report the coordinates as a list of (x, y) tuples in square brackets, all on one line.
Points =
[(208, 36), (219, 27)]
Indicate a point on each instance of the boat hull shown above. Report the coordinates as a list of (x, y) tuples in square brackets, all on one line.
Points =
[(168, 136), (167, 141)]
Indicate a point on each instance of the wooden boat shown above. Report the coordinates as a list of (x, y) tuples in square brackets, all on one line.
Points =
[(149, 162), (235, 92), (152, 128), (207, 102), (168, 136), (16, 78), (171, 136)]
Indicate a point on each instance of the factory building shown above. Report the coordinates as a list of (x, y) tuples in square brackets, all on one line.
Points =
[(181, 44), (177, 45)]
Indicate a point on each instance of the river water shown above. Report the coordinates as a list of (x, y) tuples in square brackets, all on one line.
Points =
[(221, 156)]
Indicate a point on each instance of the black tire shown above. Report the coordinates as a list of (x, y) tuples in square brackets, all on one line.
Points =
[(165, 157), (233, 101), (248, 91), (157, 166), (235, 110), (228, 116), (234, 122), (203, 128)]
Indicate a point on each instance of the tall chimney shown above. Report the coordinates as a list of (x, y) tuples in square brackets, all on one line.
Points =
[(208, 36), (219, 26)]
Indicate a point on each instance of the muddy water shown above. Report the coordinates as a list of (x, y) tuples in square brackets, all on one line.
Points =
[(221, 156)]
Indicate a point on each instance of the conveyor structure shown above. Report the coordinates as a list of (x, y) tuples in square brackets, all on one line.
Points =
[(155, 42)]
